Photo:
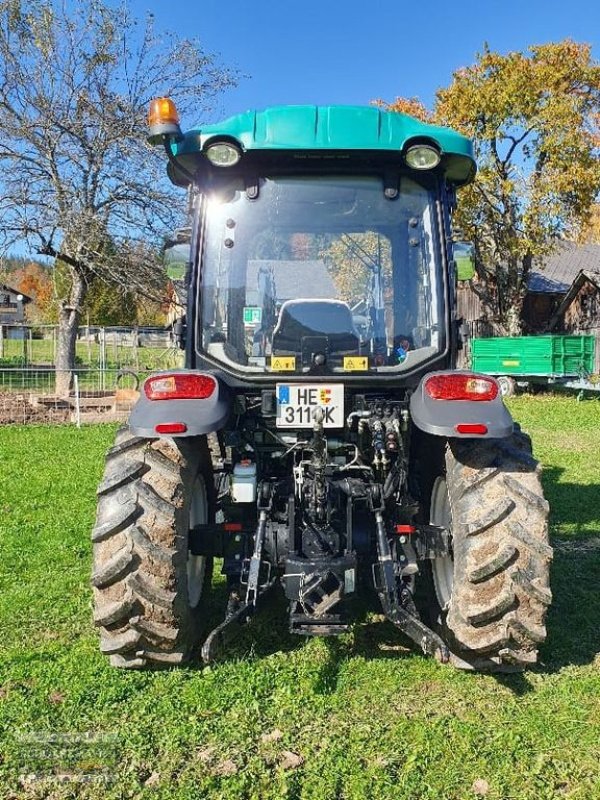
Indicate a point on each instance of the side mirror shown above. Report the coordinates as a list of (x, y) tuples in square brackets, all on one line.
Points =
[(176, 259), (464, 257)]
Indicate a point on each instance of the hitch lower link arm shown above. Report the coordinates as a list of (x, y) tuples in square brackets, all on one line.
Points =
[(238, 611), (265, 504), (397, 603)]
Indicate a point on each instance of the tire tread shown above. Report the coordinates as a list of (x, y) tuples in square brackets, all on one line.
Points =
[(139, 576), (501, 552)]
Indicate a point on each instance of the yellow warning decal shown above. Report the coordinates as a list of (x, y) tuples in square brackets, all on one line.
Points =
[(356, 363), (511, 363), (283, 363)]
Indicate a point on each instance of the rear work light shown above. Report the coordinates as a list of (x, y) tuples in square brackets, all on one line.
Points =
[(422, 156), (461, 387), (179, 386), (223, 154)]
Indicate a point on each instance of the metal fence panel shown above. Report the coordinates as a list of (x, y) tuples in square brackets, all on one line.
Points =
[(110, 364), (28, 395)]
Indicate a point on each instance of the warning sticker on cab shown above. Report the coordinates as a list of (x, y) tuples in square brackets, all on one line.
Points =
[(283, 363), (297, 404), (356, 363)]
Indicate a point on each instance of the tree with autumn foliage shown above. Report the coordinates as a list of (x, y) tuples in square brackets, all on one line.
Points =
[(589, 231), (534, 118), (352, 257), (35, 281)]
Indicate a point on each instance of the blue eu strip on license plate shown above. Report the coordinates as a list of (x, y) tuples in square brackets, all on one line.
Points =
[(297, 403), (283, 395)]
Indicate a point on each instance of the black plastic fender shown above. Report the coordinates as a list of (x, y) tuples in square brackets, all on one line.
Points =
[(198, 416), (441, 417)]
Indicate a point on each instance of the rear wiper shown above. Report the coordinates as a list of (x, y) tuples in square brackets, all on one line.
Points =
[(359, 252)]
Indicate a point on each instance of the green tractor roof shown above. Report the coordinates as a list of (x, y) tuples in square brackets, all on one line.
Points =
[(334, 128)]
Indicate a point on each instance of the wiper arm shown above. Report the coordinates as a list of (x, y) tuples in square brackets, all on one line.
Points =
[(357, 250)]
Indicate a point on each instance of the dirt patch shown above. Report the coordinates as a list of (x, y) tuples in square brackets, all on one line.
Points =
[(17, 409), (22, 408)]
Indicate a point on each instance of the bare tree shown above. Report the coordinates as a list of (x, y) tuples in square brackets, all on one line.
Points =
[(79, 183)]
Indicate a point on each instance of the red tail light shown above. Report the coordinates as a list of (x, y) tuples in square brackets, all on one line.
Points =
[(454, 386), (179, 386), (171, 427), (471, 428)]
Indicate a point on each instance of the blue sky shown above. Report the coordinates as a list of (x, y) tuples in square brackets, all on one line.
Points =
[(326, 52)]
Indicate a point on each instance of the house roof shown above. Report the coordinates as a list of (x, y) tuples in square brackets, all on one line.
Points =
[(558, 270), (582, 276), (5, 288), (293, 279)]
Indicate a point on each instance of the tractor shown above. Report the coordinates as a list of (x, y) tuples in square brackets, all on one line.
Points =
[(320, 439)]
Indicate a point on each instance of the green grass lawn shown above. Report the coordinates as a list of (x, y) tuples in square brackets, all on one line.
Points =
[(361, 716)]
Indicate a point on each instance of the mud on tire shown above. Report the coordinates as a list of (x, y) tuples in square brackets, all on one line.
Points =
[(500, 593), (140, 549)]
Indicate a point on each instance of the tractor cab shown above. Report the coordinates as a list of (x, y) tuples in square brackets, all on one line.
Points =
[(321, 242), (295, 272)]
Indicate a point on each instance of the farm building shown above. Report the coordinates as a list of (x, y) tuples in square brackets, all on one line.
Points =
[(12, 310), (579, 311), (550, 283), (176, 260)]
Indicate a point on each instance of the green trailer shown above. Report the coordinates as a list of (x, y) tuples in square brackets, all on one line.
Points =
[(552, 359)]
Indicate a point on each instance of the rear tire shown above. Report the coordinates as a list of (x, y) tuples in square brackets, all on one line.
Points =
[(147, 587), (493, 593)]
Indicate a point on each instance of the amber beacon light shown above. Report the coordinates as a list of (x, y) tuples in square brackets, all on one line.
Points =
[(163, 119)]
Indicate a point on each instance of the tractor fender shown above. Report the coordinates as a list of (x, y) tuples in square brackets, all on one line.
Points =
[(441, 417), (199, 416)]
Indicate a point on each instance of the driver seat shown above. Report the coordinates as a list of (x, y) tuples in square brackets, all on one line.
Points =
[(329, 321)]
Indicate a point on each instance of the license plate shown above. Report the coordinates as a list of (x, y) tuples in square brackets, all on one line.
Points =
[(296, 404)]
